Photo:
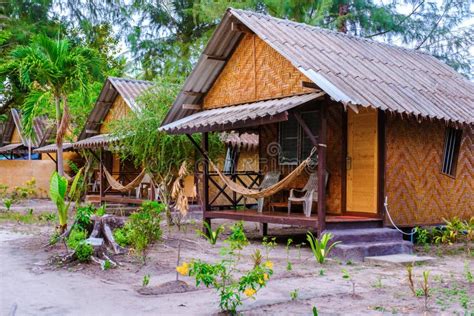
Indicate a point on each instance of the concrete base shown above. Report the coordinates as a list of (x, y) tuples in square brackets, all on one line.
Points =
[(398, 259)]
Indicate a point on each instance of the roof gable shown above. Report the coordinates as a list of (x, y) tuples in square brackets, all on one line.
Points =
[(128, 89), (350, 69)]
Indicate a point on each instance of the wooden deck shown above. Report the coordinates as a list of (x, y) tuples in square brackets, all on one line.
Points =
[(296, 219), (118, 199)]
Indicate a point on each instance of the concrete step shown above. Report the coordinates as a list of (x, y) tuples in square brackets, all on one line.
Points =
[(359, 250), (350, 236)]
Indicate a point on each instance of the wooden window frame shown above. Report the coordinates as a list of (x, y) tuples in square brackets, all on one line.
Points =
[(300, 139), (451, 150)]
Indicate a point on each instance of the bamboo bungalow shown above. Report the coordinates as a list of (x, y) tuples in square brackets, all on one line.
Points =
[(116, 99), (385, 122), (16, 145), (19, 162)]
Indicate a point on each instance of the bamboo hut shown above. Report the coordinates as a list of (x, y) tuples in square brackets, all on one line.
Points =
[(386, 122)]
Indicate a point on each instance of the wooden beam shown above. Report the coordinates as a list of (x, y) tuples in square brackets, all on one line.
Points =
[(310, 85), (239, 27), (193, 93), (216, 58), (191, 106), (306, 129), (322, 149), (101, 175)]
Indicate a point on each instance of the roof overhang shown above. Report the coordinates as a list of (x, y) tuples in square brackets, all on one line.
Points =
[(13, 148), (98, 141), (52, 148), (239, 116)]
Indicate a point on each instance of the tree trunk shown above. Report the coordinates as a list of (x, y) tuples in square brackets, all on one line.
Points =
[(343, 11), (59, 138)]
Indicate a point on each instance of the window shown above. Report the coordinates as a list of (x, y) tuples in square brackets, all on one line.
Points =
[(295, 144), (231, 157), (452, 143)]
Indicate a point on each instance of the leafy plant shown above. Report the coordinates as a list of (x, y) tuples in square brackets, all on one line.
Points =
[(289, 266), (320, 247), (221, 275), (468, 273), (8, 203), (422, 236), (101, 211), (294, 295), (84, 251), (76, 236), (107, 265), (211, 235), (347, 276), (83, 216), (57, 192), (142, 229), (269, 244), (237, 239), (146, 280), (315, 311), (321, 272), (257, 257)]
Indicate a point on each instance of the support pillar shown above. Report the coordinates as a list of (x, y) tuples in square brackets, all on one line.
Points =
[(205, 198), (322, 149)]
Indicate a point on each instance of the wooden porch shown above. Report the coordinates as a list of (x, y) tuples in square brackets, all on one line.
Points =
[(294, 219)]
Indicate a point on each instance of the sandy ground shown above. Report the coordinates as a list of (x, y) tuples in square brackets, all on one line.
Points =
[(31, 285)]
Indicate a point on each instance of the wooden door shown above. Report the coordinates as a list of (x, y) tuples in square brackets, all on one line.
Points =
[(362, 155)]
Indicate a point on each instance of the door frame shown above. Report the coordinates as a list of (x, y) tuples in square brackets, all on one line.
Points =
[(381, 156)]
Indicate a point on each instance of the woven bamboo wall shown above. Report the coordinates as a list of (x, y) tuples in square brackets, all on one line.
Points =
[(418, 194), (118, 110), (254, 72), (268, 143)]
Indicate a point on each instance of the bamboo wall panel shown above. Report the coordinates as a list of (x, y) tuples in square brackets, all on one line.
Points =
[(118, 110), (16, 138), (254, 72), (418, 194)]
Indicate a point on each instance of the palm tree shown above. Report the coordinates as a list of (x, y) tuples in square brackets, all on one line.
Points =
[(51, 70)]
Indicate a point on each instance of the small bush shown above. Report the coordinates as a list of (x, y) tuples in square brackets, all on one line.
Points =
[(83, 216), (84, 251), (76, 236), (142, 229)]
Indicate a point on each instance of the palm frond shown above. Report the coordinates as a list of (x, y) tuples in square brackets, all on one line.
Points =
[(32, 107)]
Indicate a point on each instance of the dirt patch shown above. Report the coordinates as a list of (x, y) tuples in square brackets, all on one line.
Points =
[(167, 288), (27, 273)]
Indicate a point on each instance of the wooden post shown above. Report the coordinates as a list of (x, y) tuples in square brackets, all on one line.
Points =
[(264, 229), (322, 148), (205, 198), (101, 175), (344, 162), (381, 163)]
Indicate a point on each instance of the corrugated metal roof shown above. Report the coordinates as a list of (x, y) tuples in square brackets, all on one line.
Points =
[(11, 147), (41, 130), (350, 69), (97, 141), (129, 89), (52, 148), (243, 140), (225, 118)]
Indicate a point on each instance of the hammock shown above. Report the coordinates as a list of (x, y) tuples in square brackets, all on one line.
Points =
[(121, 188), (265, 192)]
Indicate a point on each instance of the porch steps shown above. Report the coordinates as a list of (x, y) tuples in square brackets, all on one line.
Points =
[(356, 244)]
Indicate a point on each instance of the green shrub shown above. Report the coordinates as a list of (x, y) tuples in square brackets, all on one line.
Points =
[(121, 236), (84, 251), (142, 229), (83, 216), (76, 236)]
